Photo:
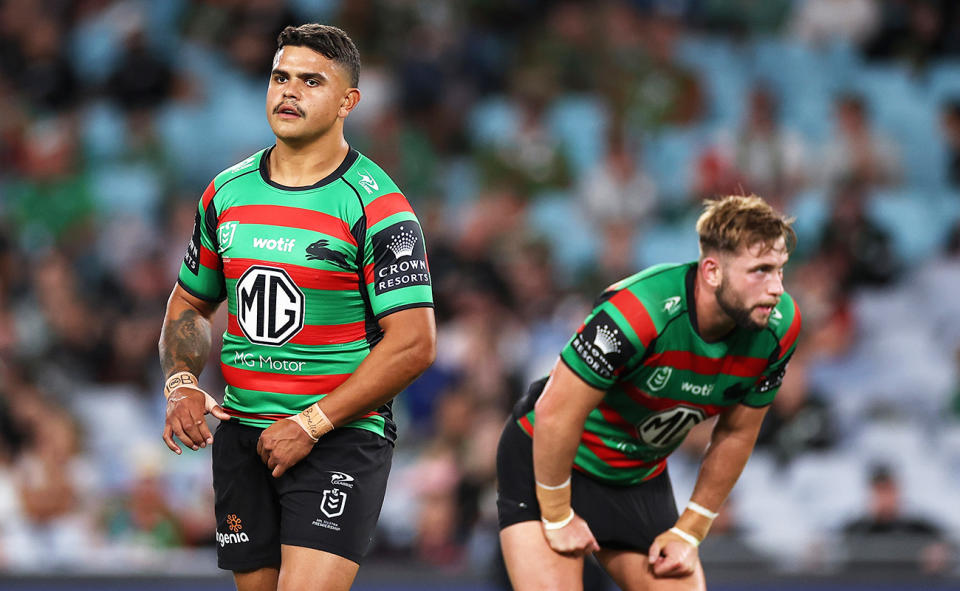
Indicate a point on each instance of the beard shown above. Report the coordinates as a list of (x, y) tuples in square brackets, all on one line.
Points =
[(733, 307)]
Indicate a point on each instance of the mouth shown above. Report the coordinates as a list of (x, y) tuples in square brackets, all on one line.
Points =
[(288, 111)]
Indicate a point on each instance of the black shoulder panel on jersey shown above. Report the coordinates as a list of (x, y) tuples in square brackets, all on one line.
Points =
[(359, 232)]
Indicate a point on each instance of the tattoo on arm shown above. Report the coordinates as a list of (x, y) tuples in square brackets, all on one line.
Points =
[(184, 343)]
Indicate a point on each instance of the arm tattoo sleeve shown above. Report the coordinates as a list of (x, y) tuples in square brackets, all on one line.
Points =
[(184, 343)]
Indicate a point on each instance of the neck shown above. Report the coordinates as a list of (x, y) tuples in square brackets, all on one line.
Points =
[(300, 165), (713, 323)]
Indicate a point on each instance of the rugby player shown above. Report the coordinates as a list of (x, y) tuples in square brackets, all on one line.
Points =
[(330, 314), (582, 466)]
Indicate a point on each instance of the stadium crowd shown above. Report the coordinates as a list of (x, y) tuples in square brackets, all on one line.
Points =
[(549, 148)]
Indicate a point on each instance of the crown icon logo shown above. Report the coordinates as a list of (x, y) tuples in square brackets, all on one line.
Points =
[(606, 340), (401, 245)]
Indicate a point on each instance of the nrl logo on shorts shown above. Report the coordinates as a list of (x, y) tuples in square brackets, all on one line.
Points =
[(658, 379), (333, 502)]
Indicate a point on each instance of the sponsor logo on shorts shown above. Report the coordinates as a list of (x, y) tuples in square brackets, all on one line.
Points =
[(236, 534), (341, 479)]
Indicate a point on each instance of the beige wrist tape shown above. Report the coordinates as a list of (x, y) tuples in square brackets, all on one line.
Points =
[(313, 421), (696, 520), (181, 378), (554, 502)]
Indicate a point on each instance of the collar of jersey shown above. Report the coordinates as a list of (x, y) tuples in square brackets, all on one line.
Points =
[(348, 161)]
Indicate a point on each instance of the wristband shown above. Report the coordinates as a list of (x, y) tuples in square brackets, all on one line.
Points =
[(685, 536), (698, 508), (558, 524), (313, 421), (179, 379), (554, 501)]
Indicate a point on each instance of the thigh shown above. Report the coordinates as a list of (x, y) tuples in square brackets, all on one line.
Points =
[(631, 572), (532, 565), (246, 504), (331, 500), (314, 570), (261, 579)]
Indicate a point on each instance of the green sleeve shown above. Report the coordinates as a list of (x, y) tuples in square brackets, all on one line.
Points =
[(201, 273), (604, 347)]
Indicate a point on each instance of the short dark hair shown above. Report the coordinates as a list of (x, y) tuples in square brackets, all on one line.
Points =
[(331, 42)]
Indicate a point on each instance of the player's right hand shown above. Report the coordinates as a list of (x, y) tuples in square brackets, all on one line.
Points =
[(573, 539), (185, 410)]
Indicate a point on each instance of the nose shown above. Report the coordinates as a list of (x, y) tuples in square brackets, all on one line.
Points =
[(775, 285)]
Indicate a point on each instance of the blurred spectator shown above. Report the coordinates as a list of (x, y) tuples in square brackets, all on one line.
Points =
[(911, 31), (857, 150), (860, 251), (799, 420), (885, 529), (821, 21), (140, 80), (618, 189), (743, 17), (950, 118), (763, 157)]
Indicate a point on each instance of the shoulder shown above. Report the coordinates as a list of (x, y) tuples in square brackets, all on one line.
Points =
[(369, 180), (785, 318), (651, 298), (247, 165)]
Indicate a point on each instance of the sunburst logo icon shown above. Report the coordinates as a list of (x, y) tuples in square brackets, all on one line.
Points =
[(401, 244), (234, 523)]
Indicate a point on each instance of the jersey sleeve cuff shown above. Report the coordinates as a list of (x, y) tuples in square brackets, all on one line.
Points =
[(403, 307), (199, 295), (586, 379)]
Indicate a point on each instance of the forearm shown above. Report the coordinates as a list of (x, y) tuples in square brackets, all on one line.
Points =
[(389, 368), (184, 339), (556, 436)]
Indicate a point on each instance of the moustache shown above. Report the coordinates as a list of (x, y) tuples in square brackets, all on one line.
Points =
[(293, 106)]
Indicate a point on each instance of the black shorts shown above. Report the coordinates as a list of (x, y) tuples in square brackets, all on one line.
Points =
[(330, 500), (620, 517)]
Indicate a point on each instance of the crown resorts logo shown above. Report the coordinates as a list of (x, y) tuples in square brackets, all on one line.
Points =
[(606, 340), (402, 243)]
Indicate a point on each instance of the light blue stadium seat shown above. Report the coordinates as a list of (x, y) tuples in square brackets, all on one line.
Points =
[(811, 208), (671, 156), (491, 120), (556, 217), (580, 123), (918, 229), (663, 243), (722, 70), (944, 82)]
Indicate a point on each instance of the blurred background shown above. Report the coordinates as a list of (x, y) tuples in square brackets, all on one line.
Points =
[(549, 148)]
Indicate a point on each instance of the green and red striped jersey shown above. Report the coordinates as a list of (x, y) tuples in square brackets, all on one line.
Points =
[(307, 272), (661, 378)]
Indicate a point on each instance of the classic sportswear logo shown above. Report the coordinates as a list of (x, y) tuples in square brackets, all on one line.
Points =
[(368, 182), (341, 479), (606, 340), (402, 243), (671, 305), (279, 244)]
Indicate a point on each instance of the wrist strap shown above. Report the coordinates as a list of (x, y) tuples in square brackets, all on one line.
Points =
[(558, 524), (313, 421), (685, 536), (698, 508), (179, 379)]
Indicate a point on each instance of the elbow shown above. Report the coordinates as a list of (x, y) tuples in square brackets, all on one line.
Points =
[(425, 352)]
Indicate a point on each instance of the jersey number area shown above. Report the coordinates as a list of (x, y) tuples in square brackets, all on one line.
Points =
[(269, 306)]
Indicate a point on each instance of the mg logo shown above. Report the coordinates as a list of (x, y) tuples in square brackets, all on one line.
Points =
[(269, 306), (659, 379), (666, 428)]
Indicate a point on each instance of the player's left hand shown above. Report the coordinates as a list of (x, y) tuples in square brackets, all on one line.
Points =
[(672, 556), (283, 444)]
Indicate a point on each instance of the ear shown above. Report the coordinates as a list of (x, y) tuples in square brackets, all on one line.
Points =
[(349, 102), (712, 270)]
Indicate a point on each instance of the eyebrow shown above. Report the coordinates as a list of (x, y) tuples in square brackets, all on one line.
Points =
[(301, 75)]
